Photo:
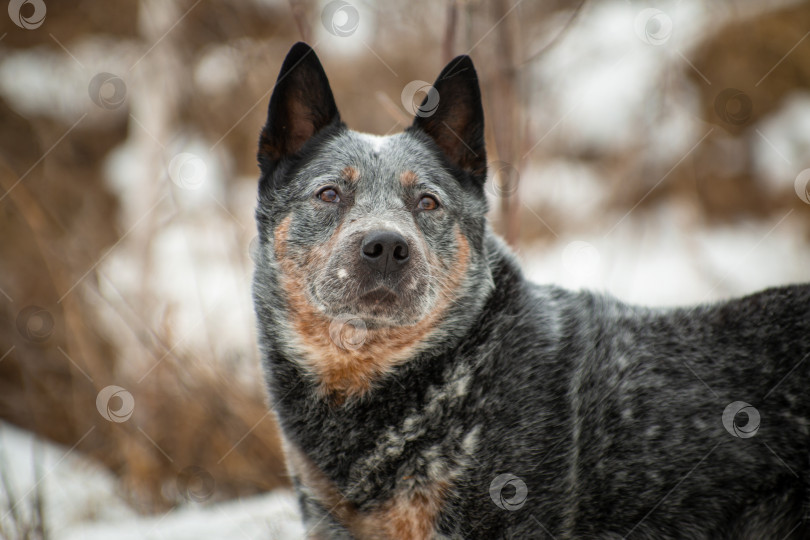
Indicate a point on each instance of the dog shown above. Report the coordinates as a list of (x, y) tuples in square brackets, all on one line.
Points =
[(425, 389)]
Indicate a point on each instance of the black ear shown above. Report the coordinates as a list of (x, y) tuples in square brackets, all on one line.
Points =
[(456, 122), (302, 104)]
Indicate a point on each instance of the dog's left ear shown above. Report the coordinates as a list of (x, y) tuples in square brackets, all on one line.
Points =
[(456, 122), (302, 104)]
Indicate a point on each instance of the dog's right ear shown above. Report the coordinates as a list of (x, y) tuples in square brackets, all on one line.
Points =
[(302, 104)]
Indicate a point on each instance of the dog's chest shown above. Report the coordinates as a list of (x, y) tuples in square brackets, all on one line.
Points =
[(389, 465)]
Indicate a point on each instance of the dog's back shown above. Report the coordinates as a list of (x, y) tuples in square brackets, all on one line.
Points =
[(425, 389), (621, 419)]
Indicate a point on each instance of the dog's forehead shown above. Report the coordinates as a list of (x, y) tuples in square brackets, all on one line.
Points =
[(381, 159), (374, 143)]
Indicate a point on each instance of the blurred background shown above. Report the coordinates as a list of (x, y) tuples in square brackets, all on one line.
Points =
[(658, 151)]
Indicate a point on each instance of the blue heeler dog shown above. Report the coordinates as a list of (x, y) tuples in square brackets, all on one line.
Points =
[(425, 389)]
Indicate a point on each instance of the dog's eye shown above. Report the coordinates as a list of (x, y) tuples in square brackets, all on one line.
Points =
[(428, 202), (329, 195)]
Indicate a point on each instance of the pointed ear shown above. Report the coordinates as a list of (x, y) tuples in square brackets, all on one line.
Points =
[(456, 123), (301, 105)]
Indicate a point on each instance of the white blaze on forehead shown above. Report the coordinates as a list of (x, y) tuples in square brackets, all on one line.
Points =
[(377, 142), (342, 273)]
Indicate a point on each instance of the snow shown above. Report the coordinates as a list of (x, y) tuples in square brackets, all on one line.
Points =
[(603, 81), (665, 259), (83, 501), (266, 517), (782, 142)]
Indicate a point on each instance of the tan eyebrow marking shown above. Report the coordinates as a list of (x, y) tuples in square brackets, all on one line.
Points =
[(408, 178), (350, 174)]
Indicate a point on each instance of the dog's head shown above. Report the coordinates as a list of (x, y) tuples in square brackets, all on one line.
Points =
[(384, 230)]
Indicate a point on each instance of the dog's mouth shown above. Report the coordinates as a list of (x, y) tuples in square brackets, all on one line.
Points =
[(379, 296), (376, 303)]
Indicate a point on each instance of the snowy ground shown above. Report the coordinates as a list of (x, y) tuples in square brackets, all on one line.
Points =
[(82, 501)]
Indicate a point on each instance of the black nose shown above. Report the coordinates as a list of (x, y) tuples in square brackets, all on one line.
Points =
[(385, 251)]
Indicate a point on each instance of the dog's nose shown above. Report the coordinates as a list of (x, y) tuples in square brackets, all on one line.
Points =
[(385, 251)]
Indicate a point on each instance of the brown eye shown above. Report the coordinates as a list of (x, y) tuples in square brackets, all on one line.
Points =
[(329, 195), (428, 202)]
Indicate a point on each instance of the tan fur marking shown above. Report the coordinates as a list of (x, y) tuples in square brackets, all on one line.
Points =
[(350, 174), (408, 515), (349, 373), (280, 236), (408, 178), (346, 373), (323, 489)]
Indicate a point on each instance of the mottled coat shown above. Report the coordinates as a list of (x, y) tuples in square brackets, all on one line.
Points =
[(425, 389)]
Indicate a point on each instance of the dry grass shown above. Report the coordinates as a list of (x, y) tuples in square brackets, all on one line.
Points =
[(57, 357)]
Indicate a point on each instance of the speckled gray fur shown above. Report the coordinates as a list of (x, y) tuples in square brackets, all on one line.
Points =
[(610, 414)]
